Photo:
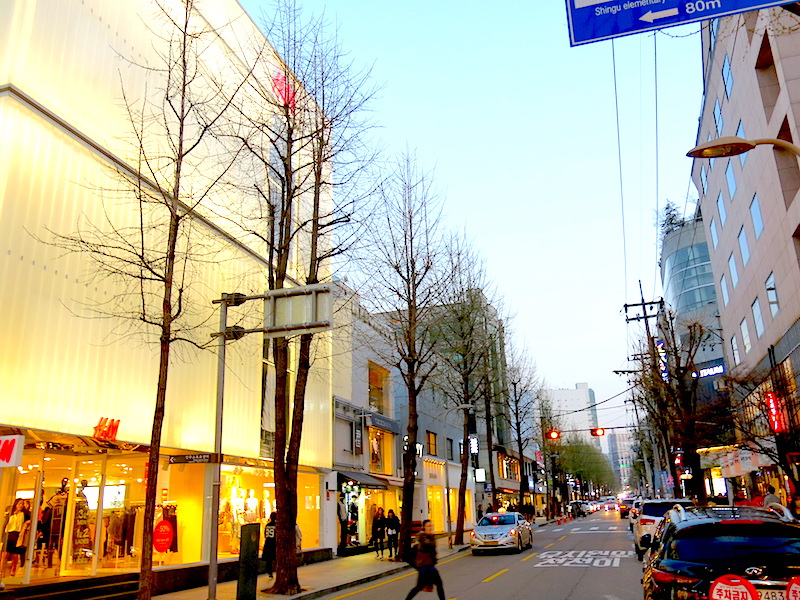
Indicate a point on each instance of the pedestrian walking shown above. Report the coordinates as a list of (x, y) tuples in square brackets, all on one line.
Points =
[(392, 532), (378, 532), (425, 563), (480, 512), (771, 496), (268, 552)]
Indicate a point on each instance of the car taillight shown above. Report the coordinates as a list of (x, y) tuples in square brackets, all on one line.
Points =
[(646, 521), (667, 578)]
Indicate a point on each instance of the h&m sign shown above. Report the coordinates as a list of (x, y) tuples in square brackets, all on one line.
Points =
[(11, 447)]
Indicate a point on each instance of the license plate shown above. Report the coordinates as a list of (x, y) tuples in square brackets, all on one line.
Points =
[(488, 543), (771, 595)]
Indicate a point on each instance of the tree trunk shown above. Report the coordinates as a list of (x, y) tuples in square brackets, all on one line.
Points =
[(462, 484), (409, 483)]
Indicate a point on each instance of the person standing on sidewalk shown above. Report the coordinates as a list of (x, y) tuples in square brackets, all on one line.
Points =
[(268, 553), (425, 563), (392, 532), (378, 532)]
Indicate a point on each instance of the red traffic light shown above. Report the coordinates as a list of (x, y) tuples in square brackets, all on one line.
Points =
[(553, 434), (598, 432)]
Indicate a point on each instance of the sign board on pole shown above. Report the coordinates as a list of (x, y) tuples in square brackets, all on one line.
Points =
[(597, 20), (11, 447)]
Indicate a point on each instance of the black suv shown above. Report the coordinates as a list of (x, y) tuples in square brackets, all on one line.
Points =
[(693, 547)]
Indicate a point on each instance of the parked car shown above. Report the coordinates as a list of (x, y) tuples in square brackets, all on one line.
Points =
[(501, 531), (634, 512), (651, 513), (695, 546), (579, 508), (624, 507)]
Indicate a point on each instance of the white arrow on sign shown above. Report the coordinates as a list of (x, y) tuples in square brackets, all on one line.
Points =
[(651, 16)]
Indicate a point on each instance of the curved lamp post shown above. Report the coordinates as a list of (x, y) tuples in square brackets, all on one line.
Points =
[(733, 146)]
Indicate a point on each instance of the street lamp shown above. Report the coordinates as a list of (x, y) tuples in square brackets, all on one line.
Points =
[(733, 146), (465, 448)]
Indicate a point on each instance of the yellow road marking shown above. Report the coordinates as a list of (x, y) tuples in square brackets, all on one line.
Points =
[(488, 579), (529, 557), (550, 545), (398, 578), (563, 537)]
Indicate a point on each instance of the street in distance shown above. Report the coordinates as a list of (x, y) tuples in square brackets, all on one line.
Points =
[(597, 20)]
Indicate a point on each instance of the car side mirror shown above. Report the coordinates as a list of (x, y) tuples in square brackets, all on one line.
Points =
[(646, 541)]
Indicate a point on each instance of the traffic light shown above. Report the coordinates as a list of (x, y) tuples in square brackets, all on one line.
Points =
[(553, 434), (598, 432)]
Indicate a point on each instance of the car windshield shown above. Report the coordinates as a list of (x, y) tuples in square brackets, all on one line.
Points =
[(496, 520), (739, 543)]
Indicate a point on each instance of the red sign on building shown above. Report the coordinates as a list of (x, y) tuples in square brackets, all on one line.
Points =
[(775, 412), (106, 429)]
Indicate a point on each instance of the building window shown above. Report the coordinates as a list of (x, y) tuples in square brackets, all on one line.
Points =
[(433, 449), (740, 133), (727, 76), (714, 237), (718, 117), (704, 178), (755, 215), (735, 351), (731, 180), (713, 30), (743, 247), (449, 449), (508, 467), (758, 320), (734, 272), (721, 210), (379, 449), (377, 384), (745, 335), (723, 289), (772, 295)]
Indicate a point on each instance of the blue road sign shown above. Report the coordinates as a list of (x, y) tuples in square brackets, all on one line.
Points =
[(596, 20)]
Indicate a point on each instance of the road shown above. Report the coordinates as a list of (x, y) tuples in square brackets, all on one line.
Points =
[(588, 559)]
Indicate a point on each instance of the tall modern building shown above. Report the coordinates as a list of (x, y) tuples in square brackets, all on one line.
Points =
[(576, 409), (752, 219)]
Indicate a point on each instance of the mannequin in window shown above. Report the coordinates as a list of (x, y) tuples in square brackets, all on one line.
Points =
[(251, 507)]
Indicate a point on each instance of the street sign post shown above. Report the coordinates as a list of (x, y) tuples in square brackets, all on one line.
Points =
[(597, 20)]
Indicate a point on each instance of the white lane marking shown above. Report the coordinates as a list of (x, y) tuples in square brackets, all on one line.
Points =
[(576, 529), (593, 528), (559, 529)]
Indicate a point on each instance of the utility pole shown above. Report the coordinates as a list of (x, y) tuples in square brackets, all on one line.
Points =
[(644, 312)]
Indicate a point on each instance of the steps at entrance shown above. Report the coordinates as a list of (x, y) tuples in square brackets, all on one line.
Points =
[(117, 587)]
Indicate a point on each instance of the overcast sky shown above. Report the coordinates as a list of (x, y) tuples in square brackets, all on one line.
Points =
[(521, 131)]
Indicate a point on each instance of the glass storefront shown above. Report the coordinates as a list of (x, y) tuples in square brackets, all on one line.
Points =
[(247, 496)]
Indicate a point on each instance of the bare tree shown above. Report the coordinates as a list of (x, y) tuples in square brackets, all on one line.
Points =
[(405, 265), (673, 401), (307, 135), (154, 251), (524, 389), (765, 412), (462, 345)]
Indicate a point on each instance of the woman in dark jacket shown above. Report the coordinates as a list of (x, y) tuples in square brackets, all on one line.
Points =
[(268, 553), (392, 532), (425, 563), (378, 532)]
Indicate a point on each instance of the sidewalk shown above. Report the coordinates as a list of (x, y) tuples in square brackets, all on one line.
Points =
[(323, 578)]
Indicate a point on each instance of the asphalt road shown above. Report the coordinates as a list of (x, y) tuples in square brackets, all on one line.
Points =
[(588, 559)]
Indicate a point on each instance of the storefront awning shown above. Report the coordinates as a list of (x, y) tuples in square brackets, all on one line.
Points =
[(363, 480)]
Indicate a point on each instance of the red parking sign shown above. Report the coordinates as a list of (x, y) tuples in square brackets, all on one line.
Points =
[(732, 587), (793, 589)]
